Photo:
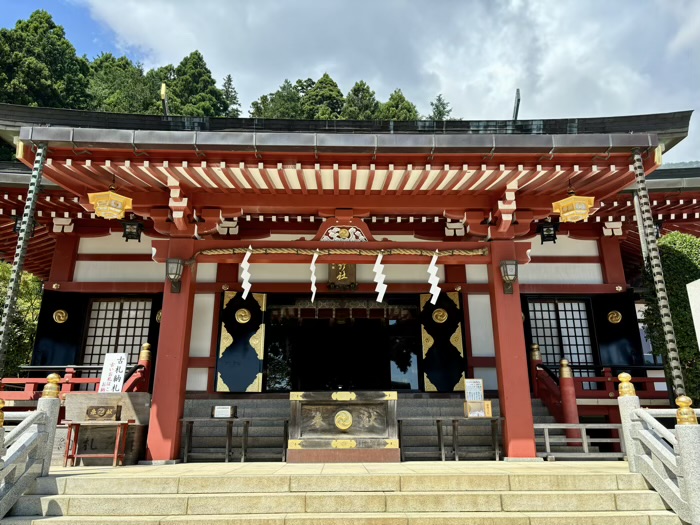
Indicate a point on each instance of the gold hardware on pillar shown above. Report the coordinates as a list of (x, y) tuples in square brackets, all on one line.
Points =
[(51, 387), (296, 396), (685, 415), (294, 444), (343, 443), (565, 369), (625, 388), (56, 286), (392, 443), (145, 353), (391, 396), (535, 354), (2, 414), (224, 287)]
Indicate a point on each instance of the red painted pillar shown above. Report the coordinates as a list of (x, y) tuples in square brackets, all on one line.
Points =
[(511, 358), (569, 407), (64, 256), (611, 261), (168, 399)]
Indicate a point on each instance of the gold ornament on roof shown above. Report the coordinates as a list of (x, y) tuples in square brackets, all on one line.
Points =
[(109, 204), (574, 208)]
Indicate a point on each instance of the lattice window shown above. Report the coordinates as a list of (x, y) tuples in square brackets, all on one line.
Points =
[(561, 328), (116, 325)]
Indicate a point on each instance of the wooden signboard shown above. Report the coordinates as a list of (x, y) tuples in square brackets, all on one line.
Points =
[(342, 276), (475, 405)]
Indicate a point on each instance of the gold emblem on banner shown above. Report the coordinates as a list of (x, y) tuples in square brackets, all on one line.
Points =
[(159, 316), (60, 316), (243, 316), (343, 420), (440, 315), (614, 317)]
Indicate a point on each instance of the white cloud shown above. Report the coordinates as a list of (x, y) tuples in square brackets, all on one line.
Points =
[(569, 58)]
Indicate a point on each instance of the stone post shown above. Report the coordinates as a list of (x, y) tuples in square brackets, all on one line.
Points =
[(49, 404), (569, 408), (628, 403), (688, 435)]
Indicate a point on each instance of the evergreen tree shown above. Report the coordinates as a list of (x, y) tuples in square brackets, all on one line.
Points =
[(441, 109), (39, 66), (303, 86), (285, 103), (155, 78), (233, 106), (324, 101), (120, 86), (360, 103), (398, 108), (196, 89)]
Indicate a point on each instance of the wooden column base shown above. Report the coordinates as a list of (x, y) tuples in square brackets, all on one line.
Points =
[(384, 455)]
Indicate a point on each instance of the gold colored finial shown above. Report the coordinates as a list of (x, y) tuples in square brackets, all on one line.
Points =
[(535, 354), (565, 369), (145, 353), (625, 388), (51, 388), (2, 414), (685, 415)]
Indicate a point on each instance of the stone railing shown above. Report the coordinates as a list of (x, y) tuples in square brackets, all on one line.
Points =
[(669, 459), (26, 450)]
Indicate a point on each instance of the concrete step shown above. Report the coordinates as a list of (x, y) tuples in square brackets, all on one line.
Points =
[(381, 518), (340, 502)]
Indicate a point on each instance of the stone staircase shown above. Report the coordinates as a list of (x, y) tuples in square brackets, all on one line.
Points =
[(416, 493), (419, 439)]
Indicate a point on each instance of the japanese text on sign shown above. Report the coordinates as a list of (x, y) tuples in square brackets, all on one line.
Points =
[(113, 372)]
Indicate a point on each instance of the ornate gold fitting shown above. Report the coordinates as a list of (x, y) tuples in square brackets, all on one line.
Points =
[(51, 388), (565, 369), (685, 415), (145, 353), (625, 388), (535, 354), (2, 414)]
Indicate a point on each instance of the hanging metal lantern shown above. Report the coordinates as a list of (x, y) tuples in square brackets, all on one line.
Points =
[(548, 231), (109, 204), (132, 230), (573, 208)]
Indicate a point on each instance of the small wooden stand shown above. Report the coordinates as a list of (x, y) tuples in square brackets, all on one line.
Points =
[(73, 437)]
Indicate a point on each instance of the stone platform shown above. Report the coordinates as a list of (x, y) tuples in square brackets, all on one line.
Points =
[(411, 493)]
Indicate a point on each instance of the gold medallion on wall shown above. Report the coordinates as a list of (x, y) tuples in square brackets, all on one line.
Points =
[(60, 316)]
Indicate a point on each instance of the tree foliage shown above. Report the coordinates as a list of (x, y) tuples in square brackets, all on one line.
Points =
[(398, 107), (285, 103), (24, 320), (233, 105), (441, 109), (195, 88), (360, 103), (118, 85), (323, 101), (39, 66), (680, 259)]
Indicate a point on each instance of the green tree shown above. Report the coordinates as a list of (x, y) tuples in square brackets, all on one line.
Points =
[(24, 320), (324, 101), (39, 66), (680, 259), (233, 105), (304, 86), (398, 107), (154, 79), (441, 109), (285, 103), (360, 103), (196, 89), (120, 86)]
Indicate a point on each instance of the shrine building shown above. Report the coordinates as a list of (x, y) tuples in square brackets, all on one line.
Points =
[(263, 257)]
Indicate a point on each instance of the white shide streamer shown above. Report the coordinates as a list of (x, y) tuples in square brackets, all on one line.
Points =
[(313, 276), (434, 280), (245, 274), (379, 279)]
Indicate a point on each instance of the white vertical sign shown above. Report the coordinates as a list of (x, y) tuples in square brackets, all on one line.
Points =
[(113, 372), (694, 298)]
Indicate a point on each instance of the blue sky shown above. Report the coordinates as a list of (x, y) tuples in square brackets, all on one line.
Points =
[(570, 58)]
